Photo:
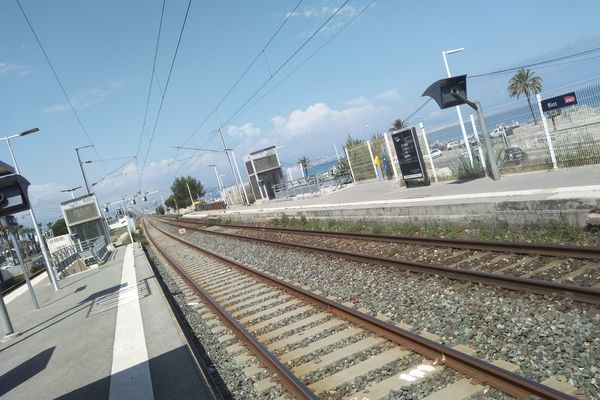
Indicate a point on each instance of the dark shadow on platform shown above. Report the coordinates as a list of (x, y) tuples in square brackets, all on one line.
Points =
[(104, 292), (66, 313), (173, 377), (26, 370), (465, 180)]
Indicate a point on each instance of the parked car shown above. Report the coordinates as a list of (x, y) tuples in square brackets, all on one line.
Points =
[(512, 155), (435, 153)]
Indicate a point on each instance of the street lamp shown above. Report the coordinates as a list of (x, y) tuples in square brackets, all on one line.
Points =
[(87, 187), (222, 193), (49, 267), (71, 191), (460, 118)]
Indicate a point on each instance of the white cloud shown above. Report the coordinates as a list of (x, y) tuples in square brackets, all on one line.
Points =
[(57, 108), (324, 10), (92, 96), (16, 69), (391, 94), (319, 118), (357, 102), (248, 129)]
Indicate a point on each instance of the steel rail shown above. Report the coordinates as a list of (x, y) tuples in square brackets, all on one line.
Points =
[(216, 387), (284, 375), (480, 371), (585, 252), (577, 293)]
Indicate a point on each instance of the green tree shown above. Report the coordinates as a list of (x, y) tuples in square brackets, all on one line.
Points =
[(304, 161), (377, 137), (59, 227), (398, 124), (160, 210), (527, 83), (180, 191), (171, 202)]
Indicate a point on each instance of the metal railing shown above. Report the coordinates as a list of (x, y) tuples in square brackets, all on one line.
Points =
[(523, 138), (310, 184)]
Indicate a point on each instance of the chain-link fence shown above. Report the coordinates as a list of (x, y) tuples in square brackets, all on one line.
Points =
[(523, 138)]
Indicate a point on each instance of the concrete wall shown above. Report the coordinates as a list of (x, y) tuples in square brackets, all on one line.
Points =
[(530, 212)]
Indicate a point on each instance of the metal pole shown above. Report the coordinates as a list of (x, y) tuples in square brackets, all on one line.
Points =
[(190, 193), (256, 177), (237, 168), (82, 171), (127, 220), (460, 118), (336, 152), (547, 132), (15, 244), (349, 164), (495, 174), (435, 178), (372, 160), (389, 150), (49, 267), (5, 319), (481, 157), (230, 164)]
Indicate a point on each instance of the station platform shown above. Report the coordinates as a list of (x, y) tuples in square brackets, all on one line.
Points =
[(108, 333), (568, 194)]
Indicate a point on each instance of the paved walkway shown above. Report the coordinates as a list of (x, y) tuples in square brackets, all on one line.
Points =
[(580, 182), (108, 333)]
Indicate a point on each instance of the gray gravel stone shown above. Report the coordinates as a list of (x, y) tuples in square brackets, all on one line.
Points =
[(546, 336)]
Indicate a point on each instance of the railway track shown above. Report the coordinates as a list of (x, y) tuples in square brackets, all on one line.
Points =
[(319, 348), (532, 268)]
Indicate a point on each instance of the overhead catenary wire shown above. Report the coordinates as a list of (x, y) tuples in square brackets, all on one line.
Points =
[(243, 74), (308, 40), (211, 136), (281, 81), (152, 75), (107, 176), (60, 84), (162, 99), (535, 64)]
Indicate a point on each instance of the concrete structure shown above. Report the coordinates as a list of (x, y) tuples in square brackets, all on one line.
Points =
[(107, 334), (530, 198), (264, 170), (83, 218)]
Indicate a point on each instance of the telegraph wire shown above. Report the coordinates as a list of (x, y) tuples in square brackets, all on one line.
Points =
[(239, 79), (162, 99), (62, 88)]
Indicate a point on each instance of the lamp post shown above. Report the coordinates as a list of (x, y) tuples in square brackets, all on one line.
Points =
[(460, 118), (223, 197), (49, 267), (71, 191), (87, 187)]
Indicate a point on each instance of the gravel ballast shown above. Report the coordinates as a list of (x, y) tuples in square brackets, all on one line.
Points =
[(544, 336)]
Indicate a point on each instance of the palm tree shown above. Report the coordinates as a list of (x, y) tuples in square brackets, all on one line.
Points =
[(527, 83), (350, 141), (397, 125), (304, 161)]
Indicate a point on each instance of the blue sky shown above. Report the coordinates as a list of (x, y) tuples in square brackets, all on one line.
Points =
[(371, 73)]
